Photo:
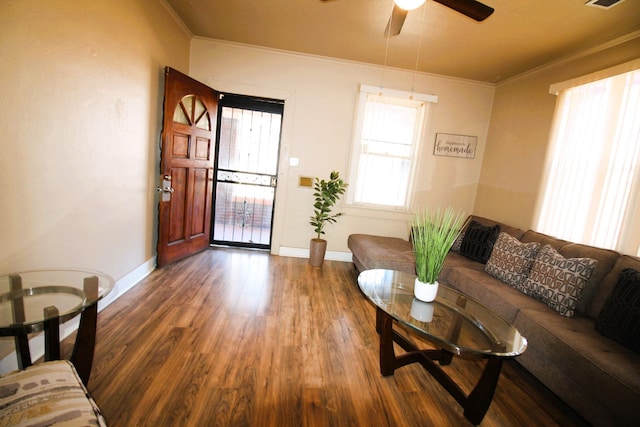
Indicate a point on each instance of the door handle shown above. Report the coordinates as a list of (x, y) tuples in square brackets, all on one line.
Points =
[(166, 190), (165, 193)]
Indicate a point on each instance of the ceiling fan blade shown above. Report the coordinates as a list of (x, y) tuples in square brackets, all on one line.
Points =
[(471, 8), (396, 21)]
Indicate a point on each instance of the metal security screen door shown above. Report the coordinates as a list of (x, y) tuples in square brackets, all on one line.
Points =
[(246, 171)]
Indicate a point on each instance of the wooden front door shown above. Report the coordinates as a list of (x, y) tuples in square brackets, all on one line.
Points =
[(186, 167)]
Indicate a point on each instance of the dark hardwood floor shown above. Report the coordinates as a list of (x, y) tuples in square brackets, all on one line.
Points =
[(242, 338)]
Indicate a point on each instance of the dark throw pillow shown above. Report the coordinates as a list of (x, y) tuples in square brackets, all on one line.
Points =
[(478, 241), (620, 316)]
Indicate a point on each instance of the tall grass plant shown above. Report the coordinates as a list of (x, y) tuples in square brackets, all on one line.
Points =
[(434, 231)]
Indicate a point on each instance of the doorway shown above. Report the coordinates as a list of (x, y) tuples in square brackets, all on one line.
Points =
[(246, 171)]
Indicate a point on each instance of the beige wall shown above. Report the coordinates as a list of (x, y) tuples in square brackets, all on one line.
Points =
[(80, 120), (320, 97), (80, 116), (519, 131)]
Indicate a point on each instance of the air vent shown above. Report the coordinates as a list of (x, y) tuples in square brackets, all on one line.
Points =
[(603, 4)]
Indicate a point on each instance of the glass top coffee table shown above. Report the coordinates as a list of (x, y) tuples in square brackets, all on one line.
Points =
[(454, 324)]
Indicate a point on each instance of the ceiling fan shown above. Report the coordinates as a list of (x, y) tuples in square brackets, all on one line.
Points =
[(471, 8)]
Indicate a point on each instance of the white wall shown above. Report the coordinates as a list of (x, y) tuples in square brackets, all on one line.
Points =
[(80, 116), (320, 96), (81, 87)]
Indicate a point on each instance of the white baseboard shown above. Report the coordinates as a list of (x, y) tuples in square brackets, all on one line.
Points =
[(36, 343), (127, 282), (304, 253)]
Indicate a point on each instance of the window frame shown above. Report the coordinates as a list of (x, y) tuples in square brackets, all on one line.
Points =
[(624, 232), (356, 144)]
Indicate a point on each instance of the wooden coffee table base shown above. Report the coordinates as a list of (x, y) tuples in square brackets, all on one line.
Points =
[(475, 404)]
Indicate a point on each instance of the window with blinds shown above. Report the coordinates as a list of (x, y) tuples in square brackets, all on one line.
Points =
[(592, 186)]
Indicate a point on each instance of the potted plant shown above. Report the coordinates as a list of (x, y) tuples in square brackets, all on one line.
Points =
[(433, 234), (326, 195)]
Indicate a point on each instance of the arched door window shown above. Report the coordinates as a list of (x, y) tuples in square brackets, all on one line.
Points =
[(191, 111)]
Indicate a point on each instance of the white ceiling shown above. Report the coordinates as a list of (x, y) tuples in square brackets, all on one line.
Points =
[(519, 36)]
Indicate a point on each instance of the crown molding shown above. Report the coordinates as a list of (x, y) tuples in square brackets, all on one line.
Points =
[(176, 18), (574, 56)]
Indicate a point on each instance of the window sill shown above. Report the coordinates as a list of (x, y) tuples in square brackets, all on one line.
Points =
[(380, 212)]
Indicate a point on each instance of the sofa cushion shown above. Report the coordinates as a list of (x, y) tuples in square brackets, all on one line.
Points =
[(543, 239), (478, 241), (454, 261), (511, 260), (592, 373), (606, 259), (620, 317), (605, 288), (48, 393), (491, 292), (558, 281), (390, 253)]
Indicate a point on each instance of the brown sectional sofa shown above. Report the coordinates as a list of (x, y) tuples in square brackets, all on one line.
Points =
[(592, 373)]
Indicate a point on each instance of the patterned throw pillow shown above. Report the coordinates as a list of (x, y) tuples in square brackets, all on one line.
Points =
[(457, 244), (511, 260), (620, 316), (557, 281), (478, 241)]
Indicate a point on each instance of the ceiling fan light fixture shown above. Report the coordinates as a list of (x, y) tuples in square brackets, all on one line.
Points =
[(409, 4), (604, 4)]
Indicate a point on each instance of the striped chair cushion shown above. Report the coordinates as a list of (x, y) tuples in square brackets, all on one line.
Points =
[(47, 394)]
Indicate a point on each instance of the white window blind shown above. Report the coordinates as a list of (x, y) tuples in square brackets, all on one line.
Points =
[(592, 181), (388, 129)]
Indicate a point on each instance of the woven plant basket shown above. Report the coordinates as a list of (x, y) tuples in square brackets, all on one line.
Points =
[(317, 249)]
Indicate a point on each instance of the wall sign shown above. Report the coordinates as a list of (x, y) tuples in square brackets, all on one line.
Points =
[(455, 145)]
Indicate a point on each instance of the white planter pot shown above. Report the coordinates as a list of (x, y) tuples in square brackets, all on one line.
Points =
[(422, 311), (425, 291)]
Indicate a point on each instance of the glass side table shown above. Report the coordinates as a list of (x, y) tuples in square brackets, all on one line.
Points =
[(40, 300)]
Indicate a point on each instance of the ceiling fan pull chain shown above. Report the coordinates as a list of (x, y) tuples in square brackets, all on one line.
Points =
[(415, 71)]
